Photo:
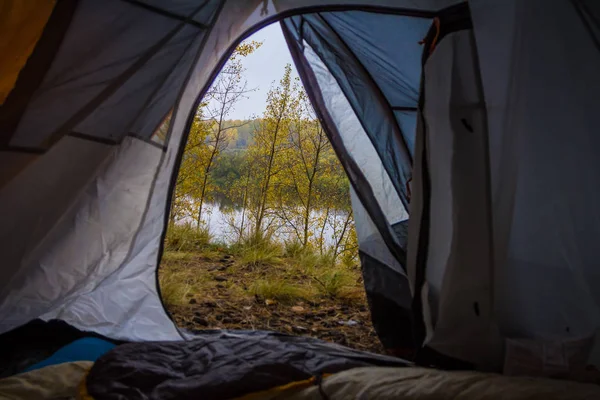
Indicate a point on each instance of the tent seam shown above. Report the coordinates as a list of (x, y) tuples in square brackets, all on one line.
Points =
[(80, 115), (377, 90), (178, 157), (165, 13), (356, 112), (349, 163)]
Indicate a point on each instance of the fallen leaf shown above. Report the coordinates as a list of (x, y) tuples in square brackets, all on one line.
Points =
[(298, 309), (270, 302)]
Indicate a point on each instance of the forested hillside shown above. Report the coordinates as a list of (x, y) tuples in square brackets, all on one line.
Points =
[(242, 134)]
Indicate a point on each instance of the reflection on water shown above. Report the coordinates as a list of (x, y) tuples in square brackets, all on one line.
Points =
[(224, 222)]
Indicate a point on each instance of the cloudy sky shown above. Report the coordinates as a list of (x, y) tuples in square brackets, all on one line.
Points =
[(263, 68)]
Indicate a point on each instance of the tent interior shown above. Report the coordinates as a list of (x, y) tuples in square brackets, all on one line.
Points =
[(475, 118)]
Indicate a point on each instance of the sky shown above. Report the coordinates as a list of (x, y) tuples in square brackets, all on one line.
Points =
[(263, 67)]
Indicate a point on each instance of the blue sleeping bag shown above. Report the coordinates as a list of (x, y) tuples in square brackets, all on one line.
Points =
[(86, 349)]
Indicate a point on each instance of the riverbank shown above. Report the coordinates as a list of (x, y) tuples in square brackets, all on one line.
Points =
[(217, 288)]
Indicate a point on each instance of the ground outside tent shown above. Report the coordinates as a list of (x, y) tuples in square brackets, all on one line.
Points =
[(214, 291)]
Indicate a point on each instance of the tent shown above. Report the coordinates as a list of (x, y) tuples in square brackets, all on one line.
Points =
[(476, 119)]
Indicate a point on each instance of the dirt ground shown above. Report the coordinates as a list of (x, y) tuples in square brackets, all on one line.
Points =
[(216, 292)]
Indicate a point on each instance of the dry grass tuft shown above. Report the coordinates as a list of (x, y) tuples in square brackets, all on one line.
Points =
[(259, 250), (280, 290), (174, 287), (187, 238)]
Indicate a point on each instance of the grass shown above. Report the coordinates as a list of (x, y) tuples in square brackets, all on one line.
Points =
[(280, 290), (187, 238), (306, 258), (327, 278), (259, 250), (179, 278), (177, 256), (174, 288), (263, 269), (336, 283), (293, 248), (260, 283)]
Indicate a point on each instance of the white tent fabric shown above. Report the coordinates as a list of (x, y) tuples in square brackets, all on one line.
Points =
[(81, 275), (124, 290), (542, 274), (541, 96), (459, 270), (513, 222)]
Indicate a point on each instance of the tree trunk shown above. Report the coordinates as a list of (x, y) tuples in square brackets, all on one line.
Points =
[(244, 206), (323, 230), (211, 159), (265, 189), (339, 241)]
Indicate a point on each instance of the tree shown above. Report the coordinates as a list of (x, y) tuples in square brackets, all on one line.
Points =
[(191, 171), (269, 142), (300, 194), (239, 193), (278, 172), (336, 208), (219, 102)]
